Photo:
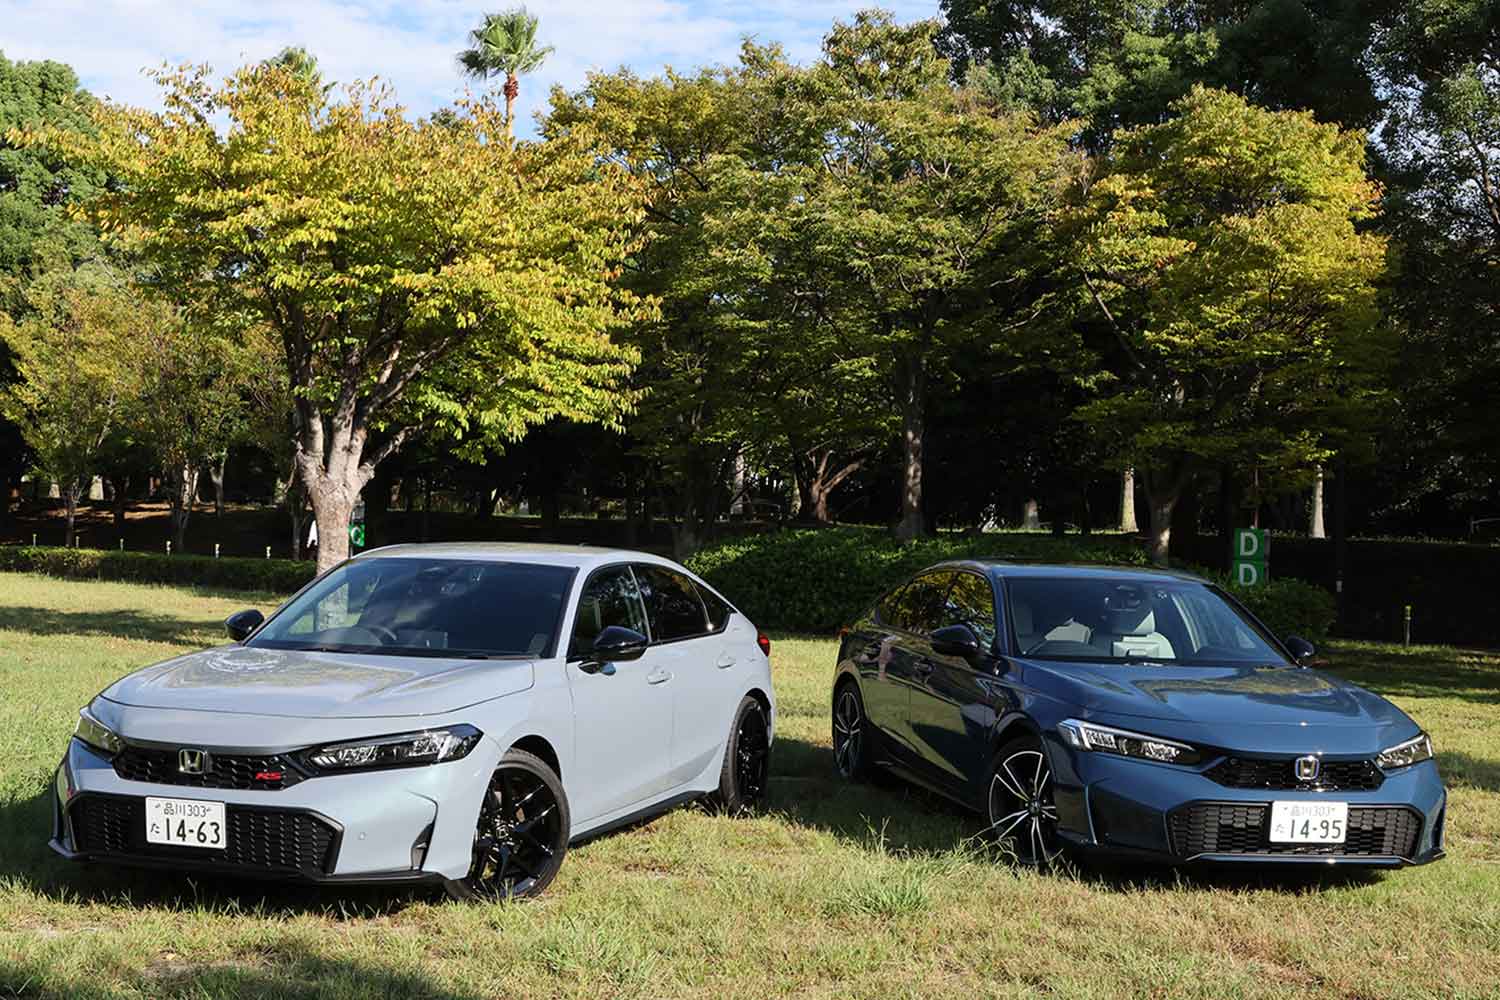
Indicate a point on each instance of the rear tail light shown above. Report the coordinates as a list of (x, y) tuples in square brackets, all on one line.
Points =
[(764, 643)]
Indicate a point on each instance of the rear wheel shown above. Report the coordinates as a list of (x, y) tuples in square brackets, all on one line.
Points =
[(747, 760), (851, 733), (522, 834), (1021, 810)]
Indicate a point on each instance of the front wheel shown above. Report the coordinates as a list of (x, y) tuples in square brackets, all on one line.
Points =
[(1021, 810), (747, 760), (522, 833)]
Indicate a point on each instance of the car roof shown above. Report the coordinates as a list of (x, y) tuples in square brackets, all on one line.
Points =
[(1081, 571), (575, 556)]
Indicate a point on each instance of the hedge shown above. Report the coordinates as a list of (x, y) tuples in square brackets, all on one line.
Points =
[(814, 580), (278, 576), (817, 580)]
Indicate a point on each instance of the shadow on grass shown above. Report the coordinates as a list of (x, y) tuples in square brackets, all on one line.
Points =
[(1420, 672), (807, 790), (1459, 768), (120, 623), (289, 970)]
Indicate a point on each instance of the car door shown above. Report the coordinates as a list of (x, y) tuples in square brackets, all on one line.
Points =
[(692, 651), (622, 713), (886, 653), (954, 701)]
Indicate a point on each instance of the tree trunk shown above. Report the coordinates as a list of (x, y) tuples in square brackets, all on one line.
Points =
[(913, 433), (1162, 493), (1128, 523), (216, 476), (1031, 516), (183, 483), (70, 493), (294, 508), (333, 503), (512, 91), (1315, 526), (119, 487)]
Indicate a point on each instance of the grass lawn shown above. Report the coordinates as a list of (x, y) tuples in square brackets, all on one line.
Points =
[(838, 892)]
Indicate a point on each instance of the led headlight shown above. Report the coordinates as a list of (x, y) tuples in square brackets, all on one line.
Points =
[(1106, 739), (96, 734), (431, 746), (1413, 751)]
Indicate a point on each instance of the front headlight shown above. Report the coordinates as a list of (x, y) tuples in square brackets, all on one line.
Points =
[(1413, 751), (1106, 739), (431, 746), (96, 734)]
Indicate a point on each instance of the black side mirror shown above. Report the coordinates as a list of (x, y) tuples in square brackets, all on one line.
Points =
[(1300, 648), (242, 623), (955, 640), (617, 644)]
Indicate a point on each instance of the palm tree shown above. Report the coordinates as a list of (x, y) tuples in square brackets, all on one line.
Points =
[(302, 64), (504, 43)]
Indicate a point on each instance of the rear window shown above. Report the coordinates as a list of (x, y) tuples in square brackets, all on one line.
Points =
[(426, 607), (672, 604)]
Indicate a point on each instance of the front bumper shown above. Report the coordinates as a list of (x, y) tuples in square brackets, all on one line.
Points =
[(406, 825), (1177, 815)]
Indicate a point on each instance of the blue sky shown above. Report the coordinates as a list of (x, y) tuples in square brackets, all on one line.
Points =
[(410, 43)]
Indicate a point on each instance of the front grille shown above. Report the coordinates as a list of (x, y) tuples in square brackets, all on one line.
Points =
[(1264, 772), (272, 841), (237, 771), (1238, 828)]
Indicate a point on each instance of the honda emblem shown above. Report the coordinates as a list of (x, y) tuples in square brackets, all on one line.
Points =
[(192, 761), (1307, 768)]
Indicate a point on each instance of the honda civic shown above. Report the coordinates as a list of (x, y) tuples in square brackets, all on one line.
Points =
[(452, 714), (1138, 714)]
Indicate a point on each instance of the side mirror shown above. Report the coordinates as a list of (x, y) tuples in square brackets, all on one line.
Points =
[(955, 640), (242, 623), (618, 644), (1300, 648)]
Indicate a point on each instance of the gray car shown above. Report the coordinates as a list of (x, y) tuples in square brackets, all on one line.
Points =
[(454, 714)]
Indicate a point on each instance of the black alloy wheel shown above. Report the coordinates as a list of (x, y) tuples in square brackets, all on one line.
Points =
[(849, 731), (522, 834), (746, 773), (1021, 810)]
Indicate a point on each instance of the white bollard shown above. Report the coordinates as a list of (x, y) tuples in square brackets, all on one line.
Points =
[(216, 550), (33, 539), (122, 545), (169, 546), (268, 551)]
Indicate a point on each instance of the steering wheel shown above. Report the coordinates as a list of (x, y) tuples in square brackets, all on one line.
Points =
[(387, 636)]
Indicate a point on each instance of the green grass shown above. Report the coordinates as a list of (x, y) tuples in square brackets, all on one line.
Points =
[(839, 892)]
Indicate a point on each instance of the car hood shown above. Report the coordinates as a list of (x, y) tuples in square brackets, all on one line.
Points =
[(297, 684), (1217, 700)]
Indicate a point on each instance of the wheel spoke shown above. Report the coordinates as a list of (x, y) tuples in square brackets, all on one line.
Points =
[(1012, 821), (1042, 774), (1038, 851), (1011, 785)]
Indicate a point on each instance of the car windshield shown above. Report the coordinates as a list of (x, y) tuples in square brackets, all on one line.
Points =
[(1121, 620), (426, 607)]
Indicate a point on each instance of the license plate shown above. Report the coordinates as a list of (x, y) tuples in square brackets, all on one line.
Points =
[(1309, 822), (186, 823)]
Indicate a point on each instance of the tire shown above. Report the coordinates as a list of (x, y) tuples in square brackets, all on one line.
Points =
[(522, 833), (747, 761), (851, 734), (1019, 802)]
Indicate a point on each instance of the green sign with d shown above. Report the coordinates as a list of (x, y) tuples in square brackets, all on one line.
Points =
[(1247, 563)]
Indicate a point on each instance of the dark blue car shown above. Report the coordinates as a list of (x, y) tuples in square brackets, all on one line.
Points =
[(1131, 713)]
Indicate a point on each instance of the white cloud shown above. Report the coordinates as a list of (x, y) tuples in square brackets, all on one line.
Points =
[(412, 44)]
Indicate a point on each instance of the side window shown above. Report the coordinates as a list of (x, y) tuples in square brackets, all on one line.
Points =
[(672, 604), (919, 607), (971, 602), (718, 611), (609, 598)]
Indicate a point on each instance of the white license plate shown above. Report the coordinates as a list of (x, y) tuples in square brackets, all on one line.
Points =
[(186, 823), (1309, 822)]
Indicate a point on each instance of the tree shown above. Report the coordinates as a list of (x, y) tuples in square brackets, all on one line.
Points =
[(505, 44), (37, 233), (1221, 258), (420, 275), (928, 202), (73, 388), (301, 64)]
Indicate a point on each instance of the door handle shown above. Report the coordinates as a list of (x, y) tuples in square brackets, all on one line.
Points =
[(658, 677), (726, 661)]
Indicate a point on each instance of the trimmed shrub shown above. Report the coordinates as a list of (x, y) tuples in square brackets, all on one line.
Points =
[(279, 576), (814, 580), (1288, 607)]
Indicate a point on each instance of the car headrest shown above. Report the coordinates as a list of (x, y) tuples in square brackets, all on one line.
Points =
[(1131, 621)]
